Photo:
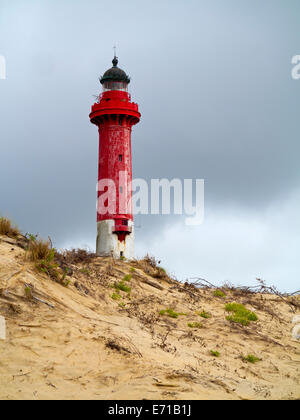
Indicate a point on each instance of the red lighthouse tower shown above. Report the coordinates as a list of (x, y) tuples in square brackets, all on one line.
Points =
[(115, 114)]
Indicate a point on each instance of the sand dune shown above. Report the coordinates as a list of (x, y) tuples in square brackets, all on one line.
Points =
[(77, 342)]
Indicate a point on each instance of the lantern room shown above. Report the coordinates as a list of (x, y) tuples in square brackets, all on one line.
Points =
[(115, 78)]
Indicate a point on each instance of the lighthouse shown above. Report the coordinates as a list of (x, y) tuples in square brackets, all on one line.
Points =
[(115, 114)]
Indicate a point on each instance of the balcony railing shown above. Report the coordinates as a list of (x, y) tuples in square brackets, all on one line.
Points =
[(103, 94)]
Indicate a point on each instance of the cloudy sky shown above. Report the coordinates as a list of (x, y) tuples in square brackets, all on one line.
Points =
[(213, 81)]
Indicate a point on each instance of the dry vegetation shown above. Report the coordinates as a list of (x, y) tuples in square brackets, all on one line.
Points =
[(7, 228), (86, 327)]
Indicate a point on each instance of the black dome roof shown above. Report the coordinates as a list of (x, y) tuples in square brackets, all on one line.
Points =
[(115, 74)]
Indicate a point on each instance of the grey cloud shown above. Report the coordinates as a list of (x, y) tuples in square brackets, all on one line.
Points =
[(214, 87)]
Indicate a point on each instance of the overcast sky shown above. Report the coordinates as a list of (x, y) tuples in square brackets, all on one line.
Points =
[(214, 86)]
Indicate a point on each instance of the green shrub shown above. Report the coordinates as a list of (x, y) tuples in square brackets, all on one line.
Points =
[(47, 267), (235, 307), (128, 277), (41, 252), (204, 314), (251, 358), (241, 315), (238, 320), (122, 286), (252, 316), (171, 313), (195, 325), (132, 269), (219, 293), (215, 353)]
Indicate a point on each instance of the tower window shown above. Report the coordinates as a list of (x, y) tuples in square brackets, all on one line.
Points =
[(121, 190), (120, 158)]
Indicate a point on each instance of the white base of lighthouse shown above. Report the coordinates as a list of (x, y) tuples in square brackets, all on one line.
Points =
[(108, 243)]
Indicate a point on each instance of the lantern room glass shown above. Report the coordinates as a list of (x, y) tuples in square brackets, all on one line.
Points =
[(113, 85)]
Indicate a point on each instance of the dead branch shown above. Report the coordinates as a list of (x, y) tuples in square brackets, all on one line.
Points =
[(151, 283)]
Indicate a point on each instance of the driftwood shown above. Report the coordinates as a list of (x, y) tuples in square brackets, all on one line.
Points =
[(43, 301), (151, 283)]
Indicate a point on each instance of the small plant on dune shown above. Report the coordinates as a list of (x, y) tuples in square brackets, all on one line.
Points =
[(195, 325), (28, 292), (64, 280), (204, 314), (48, 267), (122, 304), (122, 286), (241, 315), (43, 255), (219, 293), (122, 258), (215, 353), (40, 250), (251, 358), (116, 296), (7, 228), (171, 313), (128, 277), (31, 237), (132, 269)]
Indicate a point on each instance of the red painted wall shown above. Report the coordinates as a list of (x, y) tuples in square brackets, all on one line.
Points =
[(115, 115)]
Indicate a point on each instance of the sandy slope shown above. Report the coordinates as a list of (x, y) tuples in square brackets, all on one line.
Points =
[(86, 346)]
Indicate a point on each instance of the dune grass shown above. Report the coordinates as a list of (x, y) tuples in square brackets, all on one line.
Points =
[(38, 249), (7, 228), (171, 313), (43, 255)]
